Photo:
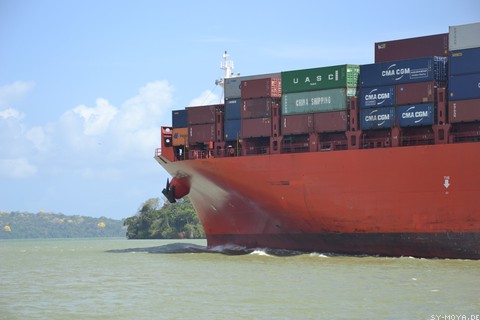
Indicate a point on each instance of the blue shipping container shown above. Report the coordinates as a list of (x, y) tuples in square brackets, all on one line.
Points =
[(377, 118), (233, 109), (376, 97), (179, 118), (415, 115), (232, 129), (464, 87), (464, 61), (403, 71)]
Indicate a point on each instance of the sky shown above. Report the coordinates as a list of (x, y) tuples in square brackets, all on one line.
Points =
[(85, 84)]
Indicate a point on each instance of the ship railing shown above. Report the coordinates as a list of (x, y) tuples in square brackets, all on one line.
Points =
[(158, 152)]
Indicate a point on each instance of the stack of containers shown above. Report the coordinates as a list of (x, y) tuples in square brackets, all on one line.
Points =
[(401, 91), (179, 128), (316, 100), (233, 105), (259, 96), (464, 73), (201, 123)]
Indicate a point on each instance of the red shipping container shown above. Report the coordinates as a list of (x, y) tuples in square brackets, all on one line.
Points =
[(256, 127), (262, 88), (417, 92), (201, 133), (202, 114), (297, 124), (257, 108), (330, 121), (464, 111), (412, 48)]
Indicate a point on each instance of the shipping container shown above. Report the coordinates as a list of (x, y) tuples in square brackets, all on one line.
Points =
[(203, 114), (464, 61), (180, 136), (464, 111), (377, 118), (179, 118), (233, 86), (201, 133), (232, 129), (262, 88), (464, 36), (415, 115), (403, 71), (375, 97), (297, 124), (316, 101), (258, 108), (412, 48), (341, 76), (330, 121), (233, 109), (416, 92), (464, 87), (256, 127)]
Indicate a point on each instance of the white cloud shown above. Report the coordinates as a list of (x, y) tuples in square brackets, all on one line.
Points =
[(97, 119), (14, 91), (207, 97), (11, 113), (16, 168)]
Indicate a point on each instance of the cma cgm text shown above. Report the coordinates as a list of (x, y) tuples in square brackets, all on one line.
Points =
[(374, 117), (395, 72), (417, 114), (374, 96)]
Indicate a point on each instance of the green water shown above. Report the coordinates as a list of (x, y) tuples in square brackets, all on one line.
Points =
[(79, 279)]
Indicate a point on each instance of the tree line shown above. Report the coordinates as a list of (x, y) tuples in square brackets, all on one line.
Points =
[(169, 221)]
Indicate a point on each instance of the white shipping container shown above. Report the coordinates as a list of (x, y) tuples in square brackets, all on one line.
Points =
[(464, 36)]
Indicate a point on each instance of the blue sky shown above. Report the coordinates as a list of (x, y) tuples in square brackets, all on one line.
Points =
[(85, 85)]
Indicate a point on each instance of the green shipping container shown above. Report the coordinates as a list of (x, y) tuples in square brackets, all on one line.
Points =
[(316, 101), (320, 78)]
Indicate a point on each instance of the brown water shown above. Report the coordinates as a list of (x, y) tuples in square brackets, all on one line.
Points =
[(79, 279)]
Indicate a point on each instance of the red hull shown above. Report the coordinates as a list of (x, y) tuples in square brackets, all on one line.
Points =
[(413, 201)]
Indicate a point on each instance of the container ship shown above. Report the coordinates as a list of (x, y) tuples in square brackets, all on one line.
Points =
[(377, 159)]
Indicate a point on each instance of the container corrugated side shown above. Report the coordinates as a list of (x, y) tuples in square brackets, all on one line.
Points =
[(256, 127), (403, 71), (464, 61), (464, 87), (257, 108), (202, 114), (464, 36), (412, 48), (417, 92), (233, 86), (415, 115), (330, 121), (262, 88), (297, 124), (201, 133), (340, 76), (464, 111), (179, 118), (232, 129), (233, 109), (375, 97), (316, 101), (377, 118), (180, 137)]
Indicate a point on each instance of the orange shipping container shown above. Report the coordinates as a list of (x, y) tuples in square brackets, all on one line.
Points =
[(180, 137)]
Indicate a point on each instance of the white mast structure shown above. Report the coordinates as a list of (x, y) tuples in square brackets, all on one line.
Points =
[(226, 65)]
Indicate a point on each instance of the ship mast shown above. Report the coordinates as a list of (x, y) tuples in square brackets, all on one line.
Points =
[(227, 65)]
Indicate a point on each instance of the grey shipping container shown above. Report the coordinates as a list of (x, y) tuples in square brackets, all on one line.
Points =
[(464, 36), (403, 71), (377, 118), (412, 48), (316, 101), (233, 86), (464, 87), (464, 111), (464, 61), (417, 92), (375, 97), (330, 121), (415, 115), (179, 118)]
